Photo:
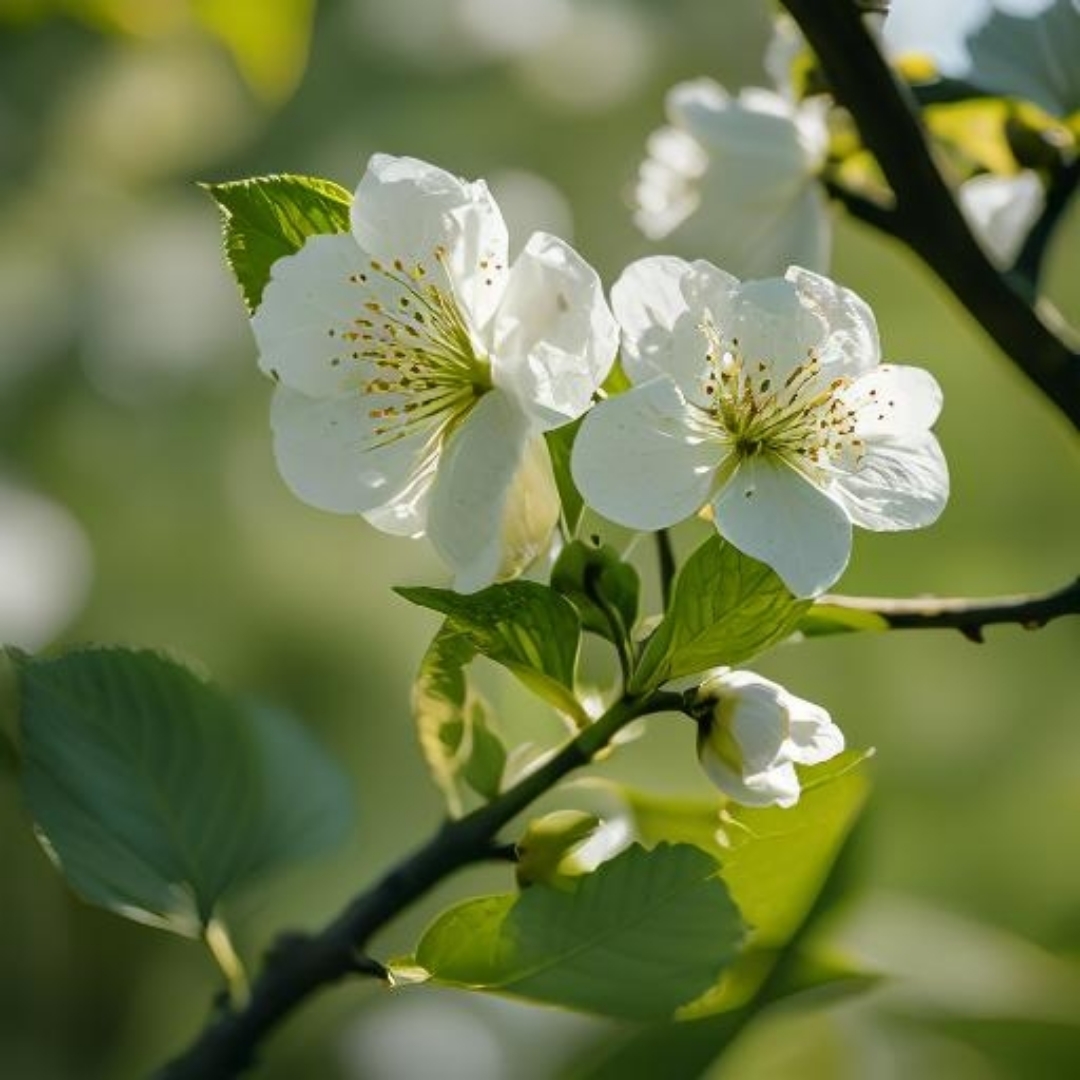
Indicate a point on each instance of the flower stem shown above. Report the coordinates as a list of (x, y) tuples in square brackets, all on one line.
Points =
[(218, 941)]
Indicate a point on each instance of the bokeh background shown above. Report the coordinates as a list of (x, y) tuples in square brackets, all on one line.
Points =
[(139, 504)]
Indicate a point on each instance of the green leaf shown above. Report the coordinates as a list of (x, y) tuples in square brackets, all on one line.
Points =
[(824, 618), (452, 721), (266, 217), (779, 865), (156, 795), (774, 861), (726, 608), (527, 627), (637, 938), (560, 442), (600, 585), (545, 852)]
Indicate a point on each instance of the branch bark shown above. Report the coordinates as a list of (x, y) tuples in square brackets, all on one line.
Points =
[(299, 965), (926, 216), (970, 617)]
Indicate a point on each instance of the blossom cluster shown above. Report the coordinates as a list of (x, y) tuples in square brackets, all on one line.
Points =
[(418, 369)]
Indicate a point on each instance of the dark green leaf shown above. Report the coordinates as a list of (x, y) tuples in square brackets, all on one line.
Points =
[(527, 627), (267, 217), (560, 442), (637, 938), (156, 794), (600, 585), (486, 763), (726, 608)]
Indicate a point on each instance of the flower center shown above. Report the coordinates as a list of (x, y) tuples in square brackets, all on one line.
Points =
[(804, 424), (420, 365)]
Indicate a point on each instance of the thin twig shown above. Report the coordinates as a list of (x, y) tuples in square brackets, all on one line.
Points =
[(665, 555), (926, 216), (1031, 611), (299, 965)]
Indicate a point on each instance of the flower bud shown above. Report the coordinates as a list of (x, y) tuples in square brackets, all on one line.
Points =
[(752, 733)]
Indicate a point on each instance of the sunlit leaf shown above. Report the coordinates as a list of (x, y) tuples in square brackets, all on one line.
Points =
[(725, 608), (527, 627), (156, 794), (637, 938), (268, 39), (560, 442), (267, 217), (825, 618)]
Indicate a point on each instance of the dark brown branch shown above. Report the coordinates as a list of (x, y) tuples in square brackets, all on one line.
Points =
[(926, 215), (1029, 263), (299, 964), (1031, 611)]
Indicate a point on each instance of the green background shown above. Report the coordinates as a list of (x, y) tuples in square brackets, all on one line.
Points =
[(129, 393)]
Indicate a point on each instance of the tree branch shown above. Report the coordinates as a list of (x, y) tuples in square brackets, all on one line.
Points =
[(926, 216), (1029, 263), (298, 965), (1031, 611)]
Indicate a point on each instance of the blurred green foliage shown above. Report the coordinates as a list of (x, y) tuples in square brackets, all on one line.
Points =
[(129, 394)]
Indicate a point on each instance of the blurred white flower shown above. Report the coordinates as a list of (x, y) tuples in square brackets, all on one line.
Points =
[(1026, 49), (766, 402), (737, 177), (1001, 211), (418, 371), (752, 733), (44, 567)]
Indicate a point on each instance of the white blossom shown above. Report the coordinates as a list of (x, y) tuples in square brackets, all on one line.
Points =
[(752, 733), (765, 402), (418, 370), (738, 176)]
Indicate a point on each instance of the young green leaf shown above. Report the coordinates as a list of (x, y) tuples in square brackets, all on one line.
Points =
[(156, 794), (824, 618), (527, 627), (726, 607), (600, 585), (560, 442), (266, 217), (640, 936)]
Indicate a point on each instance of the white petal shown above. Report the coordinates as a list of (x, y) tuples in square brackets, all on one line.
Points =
[(851, 344), (770, 323), (407, 209), (813, 737), (637, 462), (648, 302), (323, 451), (899, 484), (774, 514), (468, 502), (1001, 211), (668, 188), (893, 399), (306, 306), (554, 335), (758, 724), (531, 511), (779, 786)]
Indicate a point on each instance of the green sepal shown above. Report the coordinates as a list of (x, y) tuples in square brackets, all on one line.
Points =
[(603, 588)]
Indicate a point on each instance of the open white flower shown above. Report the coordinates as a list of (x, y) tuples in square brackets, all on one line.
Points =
[(766, 402), (750, 164), (417, 371), (752, 733)]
